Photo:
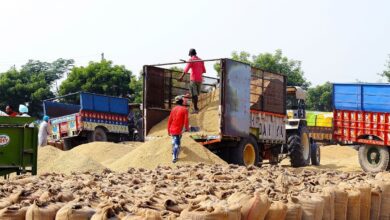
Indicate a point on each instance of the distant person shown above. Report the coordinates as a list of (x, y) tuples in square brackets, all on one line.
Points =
[(196, 77), (23, 111), (43, 131), (178, 119), (9, 109), (3, 113)]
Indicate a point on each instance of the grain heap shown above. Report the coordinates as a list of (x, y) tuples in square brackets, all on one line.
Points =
[(198, 192), (158, 152), (207, 119)]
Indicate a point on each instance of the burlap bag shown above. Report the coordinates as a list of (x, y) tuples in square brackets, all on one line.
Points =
[(365, 201), (312, 207), (376, 198), (340, 204), (35, 212), (211, 213), (75, 212), (252, 207), (13, 213), (353, 208), (328, 195), (294, 211), (277, 211)]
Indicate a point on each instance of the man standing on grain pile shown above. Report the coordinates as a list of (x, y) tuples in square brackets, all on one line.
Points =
[(196, 78), (43, 132), (178, 119)]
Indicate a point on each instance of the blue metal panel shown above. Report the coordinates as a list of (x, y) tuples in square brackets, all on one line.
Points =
[(376, 98), (57, 109), (347, 97), (362, 97), (101, 103), (236, 99)]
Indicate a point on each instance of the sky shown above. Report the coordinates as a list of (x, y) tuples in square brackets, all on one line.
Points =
[(337, 41)]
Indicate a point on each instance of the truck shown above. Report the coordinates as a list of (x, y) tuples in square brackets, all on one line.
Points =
[(18, 145), (94, 117), (361, 117), (251, 115)]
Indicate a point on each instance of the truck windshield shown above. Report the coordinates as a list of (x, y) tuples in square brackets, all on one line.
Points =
[(292, 101)]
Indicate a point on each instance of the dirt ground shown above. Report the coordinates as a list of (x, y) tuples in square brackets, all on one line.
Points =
[(336, 157)]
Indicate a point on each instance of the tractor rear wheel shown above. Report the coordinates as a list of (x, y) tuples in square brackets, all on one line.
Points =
[(315, 153), (374, 158), (247, 152)]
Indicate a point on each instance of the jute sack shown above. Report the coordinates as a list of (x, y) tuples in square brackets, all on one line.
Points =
[(143, 214), (328, 195), (294, 211), (252, 207), (353, 208), (34, 212), (13, 213), (277, 211), (211, 213), (376, 198), (340, 204), (73, 211), (5, 203), (365, 201), (104, 212), (384, 214), (312, 207)]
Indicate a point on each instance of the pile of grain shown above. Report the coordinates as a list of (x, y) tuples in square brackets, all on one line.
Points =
[(159, 152), (105, 152), (207, 120), (51, 159), (199, 192)]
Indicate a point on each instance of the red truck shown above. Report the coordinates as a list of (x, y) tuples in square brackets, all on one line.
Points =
[(362, 117)]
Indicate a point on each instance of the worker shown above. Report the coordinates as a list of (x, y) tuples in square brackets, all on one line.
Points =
[(23, 111), (43, 131), (196, 78), (178, 120), (9, 109)]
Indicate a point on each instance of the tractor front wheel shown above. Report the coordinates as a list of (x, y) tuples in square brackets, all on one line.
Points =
[(247, 152)]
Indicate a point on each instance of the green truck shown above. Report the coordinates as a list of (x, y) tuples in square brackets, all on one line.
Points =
[(18, 145)]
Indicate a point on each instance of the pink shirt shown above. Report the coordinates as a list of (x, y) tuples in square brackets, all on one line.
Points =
[(197, 69)]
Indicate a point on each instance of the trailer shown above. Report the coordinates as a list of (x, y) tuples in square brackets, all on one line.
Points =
[(18, 145), (86, 117), (362, 117), (251, 111), (320, 126)]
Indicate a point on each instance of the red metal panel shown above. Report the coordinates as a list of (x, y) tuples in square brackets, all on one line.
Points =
[(361, 127)]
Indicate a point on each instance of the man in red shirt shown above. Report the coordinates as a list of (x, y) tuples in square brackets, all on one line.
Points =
[(178, 119), (9, 109), (196, 78)]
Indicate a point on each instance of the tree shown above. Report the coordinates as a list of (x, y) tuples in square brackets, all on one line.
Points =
[(319, 98), (136, 85), (276, 63), (386, 72), (31, 84), (99, 77)]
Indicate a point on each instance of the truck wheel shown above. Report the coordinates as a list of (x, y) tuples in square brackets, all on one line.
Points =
[(315, 154), (296, 150), (374, 158), (247, 152), (67, 144), (98, 135)]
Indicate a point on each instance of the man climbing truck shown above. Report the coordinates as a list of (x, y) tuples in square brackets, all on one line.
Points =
[(361, 117), (242, 114)]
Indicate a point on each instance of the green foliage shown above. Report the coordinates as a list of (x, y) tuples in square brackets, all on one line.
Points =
[(136, 85), (319, 98), (386, 72), (276, 63), (31, 84), (99, 77)]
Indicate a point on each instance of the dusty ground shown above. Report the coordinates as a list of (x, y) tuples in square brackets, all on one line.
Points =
[(335, 157)]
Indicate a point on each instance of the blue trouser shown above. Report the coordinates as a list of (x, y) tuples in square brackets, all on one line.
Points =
[(176, 145)]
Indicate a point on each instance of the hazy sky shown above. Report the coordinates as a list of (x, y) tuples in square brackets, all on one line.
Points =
[(337, 41)]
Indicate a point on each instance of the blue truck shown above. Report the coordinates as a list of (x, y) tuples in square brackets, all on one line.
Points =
[(94, 118), (361, 117)]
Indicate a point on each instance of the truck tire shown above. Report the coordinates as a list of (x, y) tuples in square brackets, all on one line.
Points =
[(67, 144), (247, 152), (296, 152), (99, 134), (374, 158), (315, 153)]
